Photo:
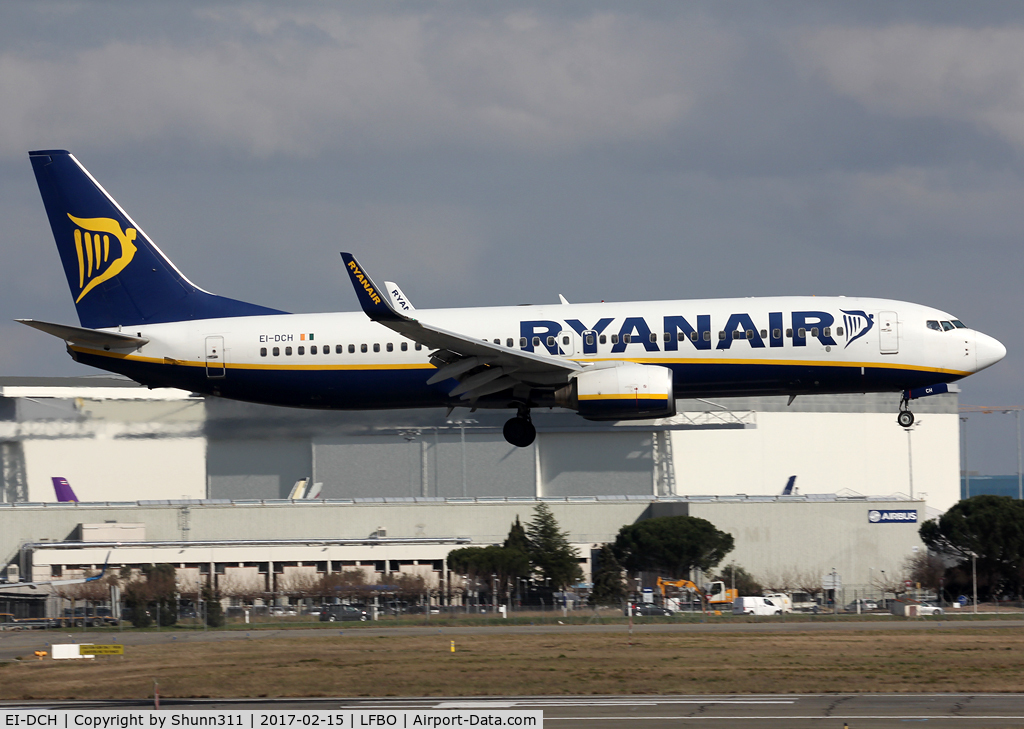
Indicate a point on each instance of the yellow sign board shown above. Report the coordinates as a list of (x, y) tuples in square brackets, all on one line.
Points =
[(101, 650)]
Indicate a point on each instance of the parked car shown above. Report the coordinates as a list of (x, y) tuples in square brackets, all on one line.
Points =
[(334, 613), (929, 608), (864, 605), (756, 606), (650, 610)]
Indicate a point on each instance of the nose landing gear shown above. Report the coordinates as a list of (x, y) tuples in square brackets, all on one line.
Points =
[(905, 418), (519, 431)]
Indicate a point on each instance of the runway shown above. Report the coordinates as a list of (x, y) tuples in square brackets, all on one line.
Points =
[(768, 711)]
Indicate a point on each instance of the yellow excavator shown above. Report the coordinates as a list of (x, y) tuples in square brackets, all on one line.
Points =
[(717, 594)]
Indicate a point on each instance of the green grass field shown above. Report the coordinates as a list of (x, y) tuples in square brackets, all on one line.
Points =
[(350, 664)]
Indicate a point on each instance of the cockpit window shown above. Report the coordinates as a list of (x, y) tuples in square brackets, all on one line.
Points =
[(959, 324), (932, 324), (947, 326)]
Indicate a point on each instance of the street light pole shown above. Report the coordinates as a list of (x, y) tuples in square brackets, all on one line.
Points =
[(974, 579), (966, 473)]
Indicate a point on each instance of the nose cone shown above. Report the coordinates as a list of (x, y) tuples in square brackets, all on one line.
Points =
[(989, 350)]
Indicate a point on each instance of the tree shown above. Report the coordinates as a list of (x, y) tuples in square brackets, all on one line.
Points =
[(991, 527), (609, 587), (735, 576), (551, 555), (214, 609), (163, 591), (517, 538), (484, 562), (672, 544)]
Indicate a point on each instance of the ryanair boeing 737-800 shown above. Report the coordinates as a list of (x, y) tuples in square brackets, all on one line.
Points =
[(141, 317)]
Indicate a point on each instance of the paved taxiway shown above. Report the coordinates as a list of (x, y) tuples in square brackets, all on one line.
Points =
[(762, 711)]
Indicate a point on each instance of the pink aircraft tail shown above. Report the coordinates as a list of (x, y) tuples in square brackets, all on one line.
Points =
[(63, 489)]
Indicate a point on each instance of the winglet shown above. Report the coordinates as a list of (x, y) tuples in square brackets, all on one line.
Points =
[(375, 301), (103, 571)]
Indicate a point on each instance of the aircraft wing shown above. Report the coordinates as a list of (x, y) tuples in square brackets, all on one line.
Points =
[(481, 367), (87, 337), (58, 583)]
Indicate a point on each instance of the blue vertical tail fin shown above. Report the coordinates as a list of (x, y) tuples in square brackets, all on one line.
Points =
[(117, 276)]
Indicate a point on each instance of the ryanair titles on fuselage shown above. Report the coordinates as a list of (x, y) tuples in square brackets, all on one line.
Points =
[(698, 331)]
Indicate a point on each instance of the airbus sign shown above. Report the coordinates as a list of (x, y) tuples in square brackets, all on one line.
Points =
[(889, 516)]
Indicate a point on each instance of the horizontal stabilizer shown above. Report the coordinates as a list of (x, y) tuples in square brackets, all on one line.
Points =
[(86, 337)]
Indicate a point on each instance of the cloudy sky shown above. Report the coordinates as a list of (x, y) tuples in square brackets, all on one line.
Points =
[(497, 153)]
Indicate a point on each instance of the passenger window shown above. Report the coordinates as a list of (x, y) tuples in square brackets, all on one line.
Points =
[(522, 341), (590, 339), (263, 351), (405, 346), (707, 336), (418, 346), (627, 338), (277, 351), (602, 339), (776, 334), (801, 332), (693, 336), (327, 348), (615, 339), (376, 347), (947, 326), (827, 331), (565, 340), (536, 341), (679, 336), (668, 337), (288, 351), (750, 334), (839, 331), (721, 335), (654, 338), (363, 348), (789, 333), (390, 347), (312, 350), (551, 341), (737, 334), (932, 324), (302, 350), (508, 342), (764, 334), (814, 331), (351, 349)]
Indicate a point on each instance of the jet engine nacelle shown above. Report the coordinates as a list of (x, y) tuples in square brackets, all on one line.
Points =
[(624, 392)]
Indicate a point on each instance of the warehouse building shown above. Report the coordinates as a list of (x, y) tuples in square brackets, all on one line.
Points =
[(204, 483)]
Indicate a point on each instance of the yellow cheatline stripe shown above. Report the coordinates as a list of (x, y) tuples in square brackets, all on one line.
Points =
[(776, 362), (626, 396), (236, 366), (636, 360)]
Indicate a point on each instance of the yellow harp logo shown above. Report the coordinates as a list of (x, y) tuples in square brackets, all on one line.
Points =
[(92, 244)]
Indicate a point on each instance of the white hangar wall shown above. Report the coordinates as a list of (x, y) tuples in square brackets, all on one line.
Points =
[(828, 453), (776, 538), (115, 441)]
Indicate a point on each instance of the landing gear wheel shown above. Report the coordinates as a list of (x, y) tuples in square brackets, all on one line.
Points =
[(905, 418), (519, 431)]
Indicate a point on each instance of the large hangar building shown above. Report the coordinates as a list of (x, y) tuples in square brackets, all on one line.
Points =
[(412, 485)]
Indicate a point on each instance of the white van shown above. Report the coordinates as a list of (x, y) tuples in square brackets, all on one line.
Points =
[(782, 600), (756, 606)]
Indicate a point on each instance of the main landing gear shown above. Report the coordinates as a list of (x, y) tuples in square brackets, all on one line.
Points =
[(519, 431), (905, 418)]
